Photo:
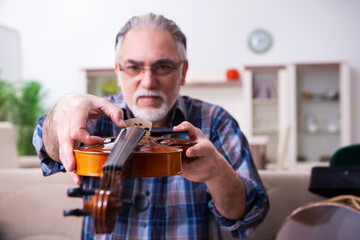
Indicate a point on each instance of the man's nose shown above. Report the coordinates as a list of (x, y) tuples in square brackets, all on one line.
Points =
[(148, 79)]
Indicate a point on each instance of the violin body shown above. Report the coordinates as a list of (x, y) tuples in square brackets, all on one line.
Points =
[(153, 157), (90, 160)]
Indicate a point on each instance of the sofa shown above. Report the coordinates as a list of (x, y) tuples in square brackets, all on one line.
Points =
[(31, 206)]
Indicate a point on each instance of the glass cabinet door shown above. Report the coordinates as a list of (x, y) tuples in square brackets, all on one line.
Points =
[(263, 86), (318, 112)]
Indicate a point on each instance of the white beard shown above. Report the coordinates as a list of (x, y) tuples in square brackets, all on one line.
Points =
[(154, 114)]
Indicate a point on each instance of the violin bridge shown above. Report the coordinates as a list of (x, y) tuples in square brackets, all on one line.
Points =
[(141, 123)]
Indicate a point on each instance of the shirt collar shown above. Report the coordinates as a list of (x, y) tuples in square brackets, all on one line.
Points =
[(179, 113)]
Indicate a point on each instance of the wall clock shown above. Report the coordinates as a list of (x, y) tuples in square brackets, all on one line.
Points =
[(260, 41)]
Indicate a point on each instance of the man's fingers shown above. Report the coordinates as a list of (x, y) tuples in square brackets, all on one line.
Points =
[(113, 112), (78, 122), (67, 155), (195, 134), (75, 177), (186, 126), (83, 136), (200, 149)]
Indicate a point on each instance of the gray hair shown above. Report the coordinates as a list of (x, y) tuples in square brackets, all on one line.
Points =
[(152, 21)]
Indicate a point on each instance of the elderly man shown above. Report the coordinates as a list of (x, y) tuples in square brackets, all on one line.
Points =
[(221, 188)]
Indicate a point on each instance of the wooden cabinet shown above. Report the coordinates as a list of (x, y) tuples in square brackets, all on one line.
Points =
[(304, 110), (319, 113), (264, 101), (101, 82)]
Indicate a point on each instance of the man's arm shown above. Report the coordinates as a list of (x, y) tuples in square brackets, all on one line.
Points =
[(228, 191), (66, 124), (226, 188)]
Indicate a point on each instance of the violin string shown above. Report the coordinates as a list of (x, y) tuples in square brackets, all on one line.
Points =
[(113, 176)]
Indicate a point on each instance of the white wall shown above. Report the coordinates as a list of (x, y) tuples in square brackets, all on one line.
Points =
[(10, 59), (58, 38)]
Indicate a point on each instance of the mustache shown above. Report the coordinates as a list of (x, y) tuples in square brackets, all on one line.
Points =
[(149, 93)]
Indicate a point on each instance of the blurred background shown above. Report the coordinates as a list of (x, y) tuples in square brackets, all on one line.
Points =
[(68, 46)]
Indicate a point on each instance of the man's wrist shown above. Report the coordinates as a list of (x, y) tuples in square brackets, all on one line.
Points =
[(50, 140)]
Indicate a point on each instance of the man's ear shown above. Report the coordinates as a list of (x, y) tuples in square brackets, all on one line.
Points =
[(184, 71), (117, 72), (116, 68)]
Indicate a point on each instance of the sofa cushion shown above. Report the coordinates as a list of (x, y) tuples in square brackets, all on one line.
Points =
[(8, 157), (31, 206)]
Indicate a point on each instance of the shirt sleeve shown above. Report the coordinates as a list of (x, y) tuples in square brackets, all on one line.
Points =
[(48, 165), (231, 142)]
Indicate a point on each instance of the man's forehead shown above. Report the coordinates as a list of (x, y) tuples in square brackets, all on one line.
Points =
[(148, 44), (156, 61)]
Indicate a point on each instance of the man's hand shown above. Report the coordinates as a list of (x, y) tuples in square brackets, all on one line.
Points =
[(207, 162), (67, 122), (225, 186)]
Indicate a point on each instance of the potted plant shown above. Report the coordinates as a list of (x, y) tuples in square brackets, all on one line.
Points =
[(22, 106)]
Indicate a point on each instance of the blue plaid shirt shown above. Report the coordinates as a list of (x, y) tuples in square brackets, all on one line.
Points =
[(179, 208)]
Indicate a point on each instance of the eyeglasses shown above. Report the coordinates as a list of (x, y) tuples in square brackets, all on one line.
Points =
[(159, 69)]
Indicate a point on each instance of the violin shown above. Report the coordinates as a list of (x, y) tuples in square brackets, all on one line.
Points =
[(134, 153), (152, 157)]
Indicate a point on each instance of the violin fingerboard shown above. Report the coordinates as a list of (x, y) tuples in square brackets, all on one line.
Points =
[(124, 145)]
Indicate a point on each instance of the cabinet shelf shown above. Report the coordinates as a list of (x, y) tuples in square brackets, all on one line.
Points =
[(321, 132), (306, 165), (312, 101), (265, 131), (262, 101), (212, 84)]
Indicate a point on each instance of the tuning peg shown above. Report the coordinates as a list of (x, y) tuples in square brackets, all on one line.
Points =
[(80, 192), (76, 212), (140, 202)]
